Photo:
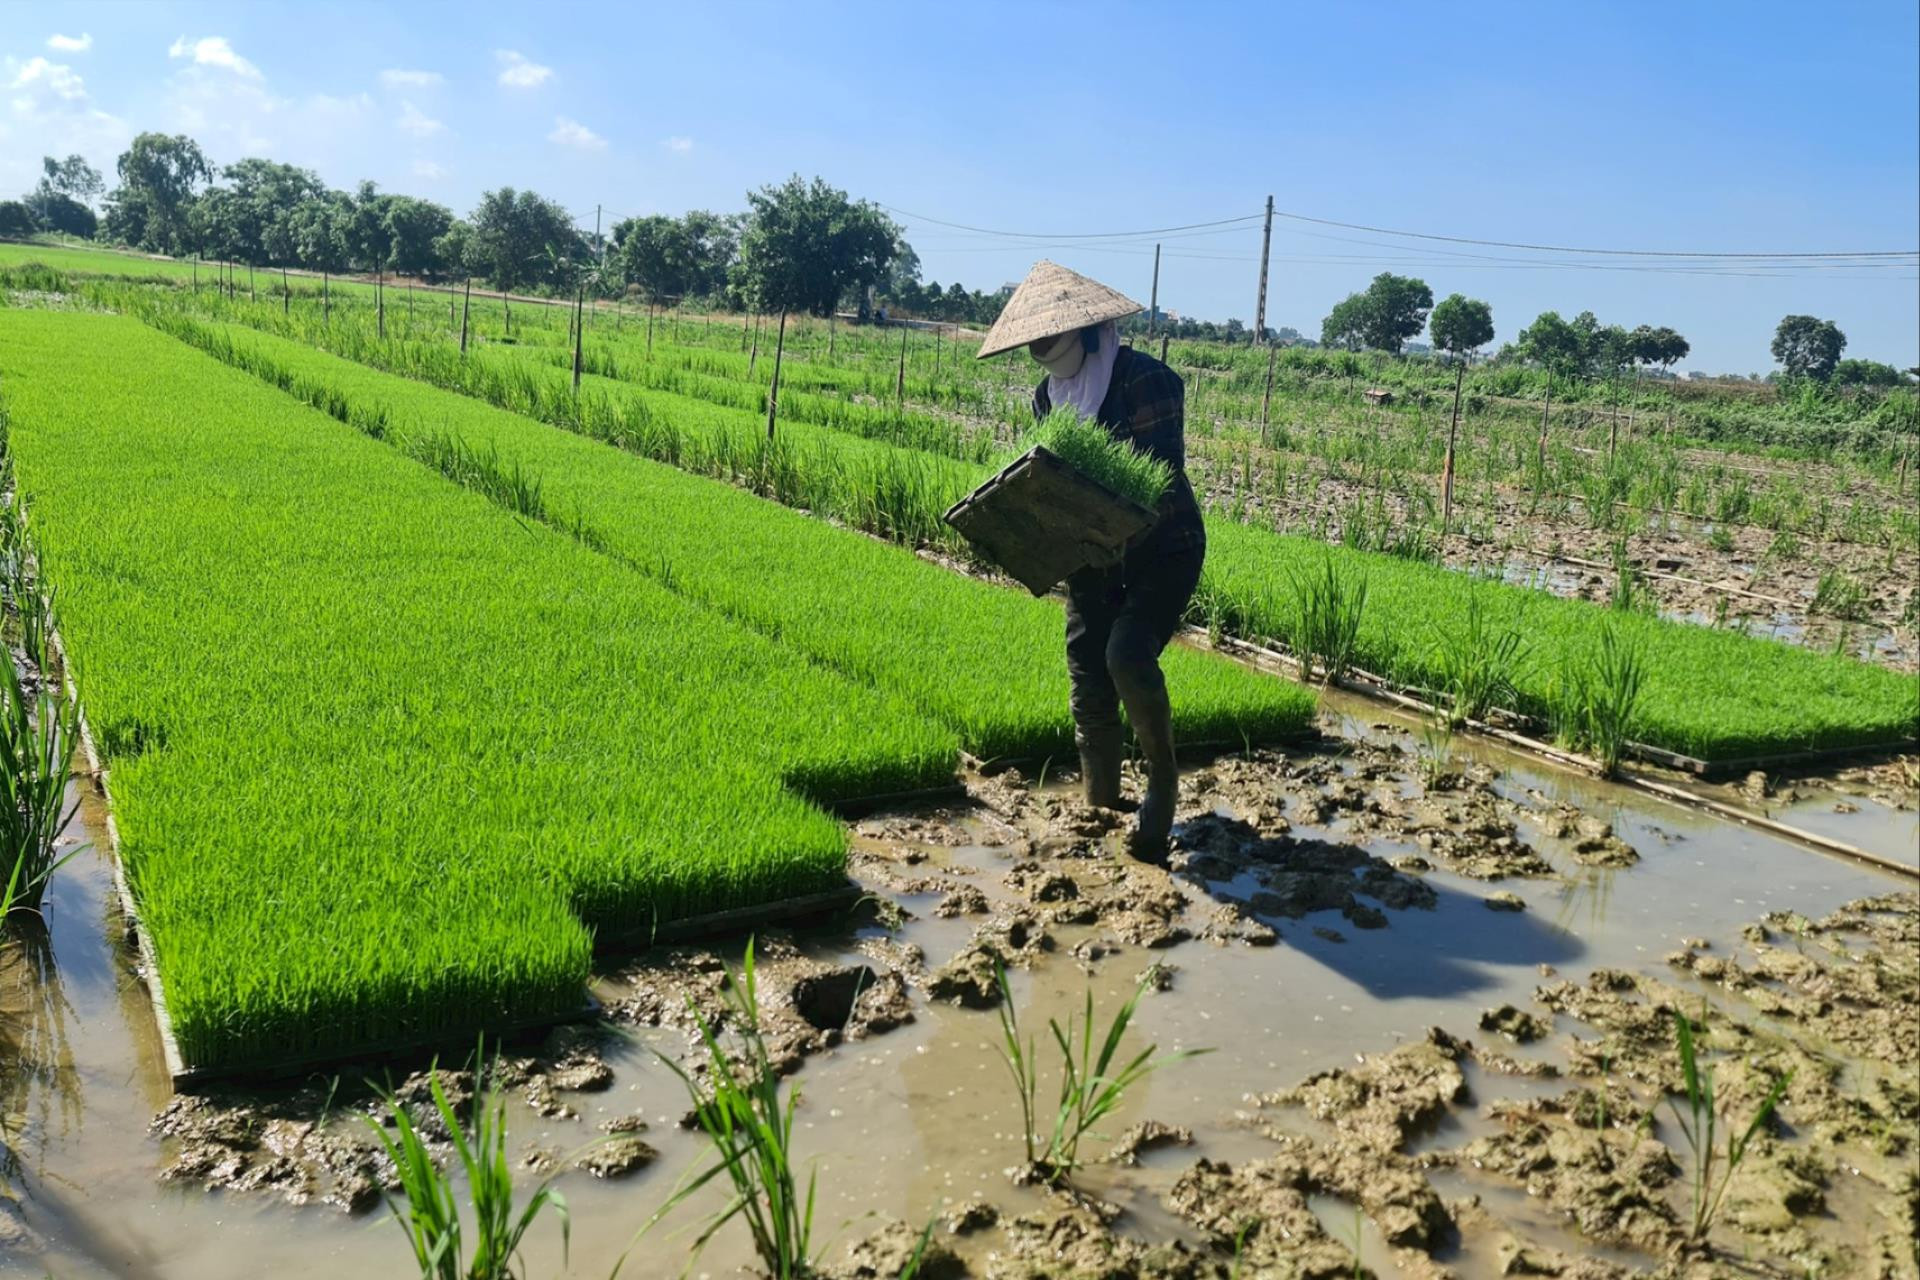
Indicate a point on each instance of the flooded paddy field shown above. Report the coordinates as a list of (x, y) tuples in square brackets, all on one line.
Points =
[(1435, 988)]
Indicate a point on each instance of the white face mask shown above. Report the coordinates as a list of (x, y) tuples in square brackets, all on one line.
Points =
[(1063, 356)]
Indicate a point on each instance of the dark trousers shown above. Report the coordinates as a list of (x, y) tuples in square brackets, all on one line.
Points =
[(1118, 621)]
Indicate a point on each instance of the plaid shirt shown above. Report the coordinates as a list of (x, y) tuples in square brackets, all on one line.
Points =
[(1146, 405)]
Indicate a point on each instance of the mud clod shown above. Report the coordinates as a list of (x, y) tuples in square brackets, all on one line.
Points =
[(1504, 901), (618, 1156), (1516, 1025), (1381, 1102)]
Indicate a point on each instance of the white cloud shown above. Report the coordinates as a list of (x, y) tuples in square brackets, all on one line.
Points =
[(571, 133), (70, 44), (398, 78), (416, 122), (429, 170), (677, 145), (40, 79), (45, 109), (517, 72), (213, 51)]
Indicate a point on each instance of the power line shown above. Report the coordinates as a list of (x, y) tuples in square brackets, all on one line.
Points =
[(1057, 236), (1072, 238), (1551, 248)]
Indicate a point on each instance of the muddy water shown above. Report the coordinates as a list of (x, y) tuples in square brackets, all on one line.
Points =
[(918, 1119)]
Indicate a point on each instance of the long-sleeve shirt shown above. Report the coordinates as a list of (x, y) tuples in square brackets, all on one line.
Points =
[(1146, 405)]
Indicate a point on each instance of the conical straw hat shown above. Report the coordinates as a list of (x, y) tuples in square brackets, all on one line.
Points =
[(1053, 300)]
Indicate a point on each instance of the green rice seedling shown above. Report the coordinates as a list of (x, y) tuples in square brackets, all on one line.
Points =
[(739, 1109), (1093, 1081), (1086, 446), (1839, 596), (406, 621), (430, 1215), (1599, 710), (37, 739), (1480, 661), (1710, 1178), (1328, 607)]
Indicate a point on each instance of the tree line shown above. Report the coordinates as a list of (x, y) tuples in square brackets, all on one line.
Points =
[(803, 245)]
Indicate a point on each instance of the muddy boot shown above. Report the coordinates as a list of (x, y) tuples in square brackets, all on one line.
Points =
[(1152, 717), (1100, 752)]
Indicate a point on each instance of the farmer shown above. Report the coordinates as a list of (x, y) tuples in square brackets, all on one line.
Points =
[(1120, 618)]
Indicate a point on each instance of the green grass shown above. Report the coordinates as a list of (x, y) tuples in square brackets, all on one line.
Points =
[(383, 754), (985, 660)]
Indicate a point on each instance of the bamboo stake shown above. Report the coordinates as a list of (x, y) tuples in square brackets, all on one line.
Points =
[(773, 392)]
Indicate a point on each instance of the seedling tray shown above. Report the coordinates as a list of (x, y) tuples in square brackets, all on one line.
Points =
[(1041, 520)]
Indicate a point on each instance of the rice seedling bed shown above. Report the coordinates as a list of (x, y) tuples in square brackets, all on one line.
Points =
[(983, 659), (384, 757), (1710, 694)]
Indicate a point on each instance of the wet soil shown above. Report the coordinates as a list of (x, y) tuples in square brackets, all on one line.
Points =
[(1727, 575), (1402, 1082)]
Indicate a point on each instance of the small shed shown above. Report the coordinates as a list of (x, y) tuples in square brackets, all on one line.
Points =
[(1378, 395)]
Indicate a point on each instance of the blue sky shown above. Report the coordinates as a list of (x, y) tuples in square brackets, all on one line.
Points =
[(1751, 127)]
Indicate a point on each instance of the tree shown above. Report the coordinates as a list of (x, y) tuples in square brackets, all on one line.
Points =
[(73, 178), (265, 197), (1808, 347), (519, 238), (160, 175), (63, 200), (413, 232), (1345, 325), (1560, 349), (16, 220), (654, 256), (56, 211), (1867, 373), (1391, 310), (806, 244), (1460, 326)]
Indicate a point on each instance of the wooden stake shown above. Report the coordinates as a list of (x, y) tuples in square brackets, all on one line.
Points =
[(773, 392), (900, 379), (251, 295), (326, 300), (649, 328), (466, 302), (1163, 347), (380, 302), (1446, 474), (753, 356), (286, 294), (579, 293), (1266, 400)]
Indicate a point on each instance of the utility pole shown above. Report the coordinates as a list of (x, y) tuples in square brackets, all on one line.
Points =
[(1260, 308), (1153, 307)]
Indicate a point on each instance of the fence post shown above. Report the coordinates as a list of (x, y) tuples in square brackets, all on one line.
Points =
[(1446, 472), (466, 302), (773, 391), (252, 297), (900, 379), (1266, 400), (1163, 348), (286, 293), (579, 293), (380, 302), (753, 357)]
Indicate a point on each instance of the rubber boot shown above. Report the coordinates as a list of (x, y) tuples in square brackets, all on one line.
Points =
[(1100, 752), (1152, 717)]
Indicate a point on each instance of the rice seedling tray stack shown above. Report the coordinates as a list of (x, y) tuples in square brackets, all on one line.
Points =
[(1041, 520)]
